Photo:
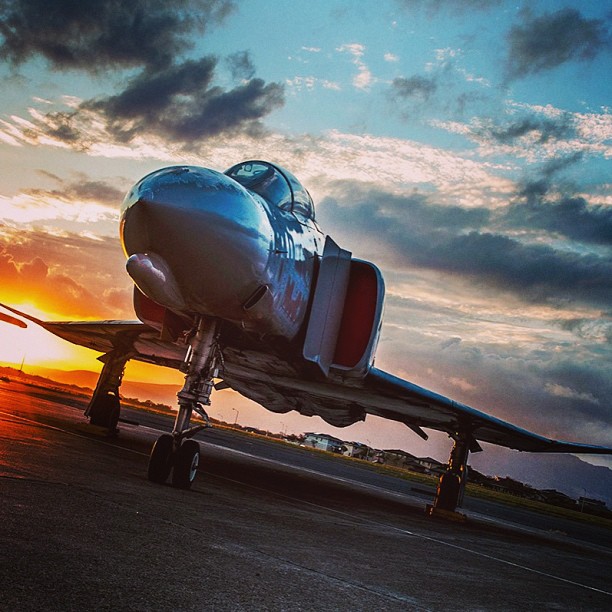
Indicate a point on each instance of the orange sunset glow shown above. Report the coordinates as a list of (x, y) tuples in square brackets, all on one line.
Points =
[(443, 143)]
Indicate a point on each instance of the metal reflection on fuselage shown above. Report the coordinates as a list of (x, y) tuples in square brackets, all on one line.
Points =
[(224, 245)]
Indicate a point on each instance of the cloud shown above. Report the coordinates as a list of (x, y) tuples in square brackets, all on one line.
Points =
[(309, 83), (535, 132), (52, 291), (181, 103), (569, 216), (539, 206), (597, 331), (418, 87), (456, 242), (240, 65), (70, 274), (164, 94), (364, 78), (543, 129), (502, 371), (111, 34), (68, 206), (560, 391), (545, 203), (447, 88), (82, 188), (545, 42)]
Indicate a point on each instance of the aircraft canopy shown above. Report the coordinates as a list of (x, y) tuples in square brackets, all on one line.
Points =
[(275, 184)]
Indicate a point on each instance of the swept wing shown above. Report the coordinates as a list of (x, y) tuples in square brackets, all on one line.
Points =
[(278, 386)]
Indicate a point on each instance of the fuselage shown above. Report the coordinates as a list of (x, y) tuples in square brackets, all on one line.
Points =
[(240, 246)]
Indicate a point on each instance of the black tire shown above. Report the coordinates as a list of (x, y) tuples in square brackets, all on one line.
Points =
[(449, 489), (160, 459), (186, 462), (105, 412)]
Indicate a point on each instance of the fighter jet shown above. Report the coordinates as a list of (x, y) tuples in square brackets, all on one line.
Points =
[(237, 287)]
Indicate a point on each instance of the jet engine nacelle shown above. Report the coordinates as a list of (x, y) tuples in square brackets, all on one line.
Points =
[(168, 323), (346, 314)]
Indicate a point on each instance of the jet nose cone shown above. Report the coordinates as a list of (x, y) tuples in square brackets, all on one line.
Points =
[(213, 235)]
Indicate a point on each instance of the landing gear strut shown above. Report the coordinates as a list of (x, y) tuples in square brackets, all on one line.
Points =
[(175, 452), (104, 407), (452, 483)]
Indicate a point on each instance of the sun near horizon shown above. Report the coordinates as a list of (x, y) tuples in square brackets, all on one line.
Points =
[(36, 347)]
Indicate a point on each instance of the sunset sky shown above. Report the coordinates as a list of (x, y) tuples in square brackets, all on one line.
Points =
[(464, 147)]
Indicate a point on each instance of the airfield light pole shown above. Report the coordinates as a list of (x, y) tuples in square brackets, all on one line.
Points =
[(237, 413)]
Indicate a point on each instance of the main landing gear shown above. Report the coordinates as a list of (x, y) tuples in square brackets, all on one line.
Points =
[(176, 453), (452, 483), (104, 407)]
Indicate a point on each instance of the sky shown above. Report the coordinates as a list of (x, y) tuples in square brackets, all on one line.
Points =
[(464, 147)]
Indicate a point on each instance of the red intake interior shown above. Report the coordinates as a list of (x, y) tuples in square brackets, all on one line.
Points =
[(147, 310), (358, 315)]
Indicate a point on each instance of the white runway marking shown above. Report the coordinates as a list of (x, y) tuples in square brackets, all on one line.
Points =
[(325, 508), (423, 537)]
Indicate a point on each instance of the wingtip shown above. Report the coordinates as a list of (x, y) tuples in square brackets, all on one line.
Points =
[(12, 321), (20, 314)]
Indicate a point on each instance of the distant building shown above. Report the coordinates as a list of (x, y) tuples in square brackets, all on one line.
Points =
[(399, 458), (355, 449), (421, 465), (514, 487), (431, 466), (556, 498), (592, 506), (323, 442)]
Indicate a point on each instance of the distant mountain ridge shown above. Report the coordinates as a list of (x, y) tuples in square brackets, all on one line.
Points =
[(158, 393), (566, 473)]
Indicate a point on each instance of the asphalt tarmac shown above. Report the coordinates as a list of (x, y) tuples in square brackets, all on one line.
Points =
[(81, 528)]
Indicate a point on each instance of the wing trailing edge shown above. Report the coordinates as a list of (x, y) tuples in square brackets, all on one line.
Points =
[(482, 426), (279, 389)]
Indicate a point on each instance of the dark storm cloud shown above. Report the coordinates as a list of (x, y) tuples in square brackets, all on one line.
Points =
[(413, 87), (453, 240), (415, 210), (545, 42), (169, 96), (92, 36), (570, 216), (536, 273), (544, 203), (182, 104)]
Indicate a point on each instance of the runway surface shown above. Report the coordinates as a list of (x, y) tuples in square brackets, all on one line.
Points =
[(264, 528)]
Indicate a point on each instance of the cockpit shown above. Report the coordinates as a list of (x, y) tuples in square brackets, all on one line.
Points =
[(276, 185)]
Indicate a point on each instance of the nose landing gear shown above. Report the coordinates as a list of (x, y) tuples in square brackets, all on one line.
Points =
[(176, 452)]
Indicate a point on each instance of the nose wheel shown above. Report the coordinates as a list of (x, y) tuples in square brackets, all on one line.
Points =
[(186, 462), (182, 462), (160, 460), (176, 453)]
